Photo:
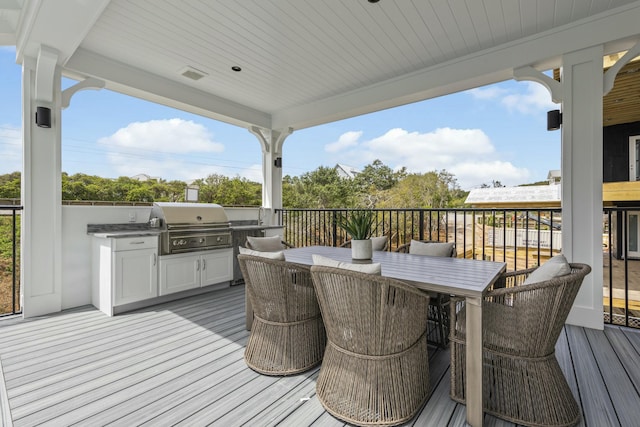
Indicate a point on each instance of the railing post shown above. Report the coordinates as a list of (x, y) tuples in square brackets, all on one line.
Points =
[(13, 278), (421, 229), (334, 225)]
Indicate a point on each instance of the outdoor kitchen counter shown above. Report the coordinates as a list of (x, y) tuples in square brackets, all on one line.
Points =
[(254, 227), (122, 230), (118, 234)]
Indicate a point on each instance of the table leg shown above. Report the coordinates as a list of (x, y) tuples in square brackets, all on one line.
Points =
[(473, 385)]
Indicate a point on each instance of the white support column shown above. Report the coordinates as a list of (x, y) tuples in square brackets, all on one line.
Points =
[(582, 82), (41, 224), (271, 142)]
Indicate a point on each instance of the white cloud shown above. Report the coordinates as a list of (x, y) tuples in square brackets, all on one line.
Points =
[(528, 98), (534, 99), (467, 153), (10, 149), (484, 172), (169, 136), (171, 149), (252, 173), (489, 92), (346, 140)]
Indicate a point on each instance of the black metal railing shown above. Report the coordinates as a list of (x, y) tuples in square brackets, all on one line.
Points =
[(621, 266), (522, 238), (9, 260)]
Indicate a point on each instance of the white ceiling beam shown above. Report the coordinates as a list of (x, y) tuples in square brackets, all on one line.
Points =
[(59, 24), (135, 82), (542, 51)]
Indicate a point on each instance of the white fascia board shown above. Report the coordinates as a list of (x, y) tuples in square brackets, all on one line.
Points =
[(141, 84), (542, 51)]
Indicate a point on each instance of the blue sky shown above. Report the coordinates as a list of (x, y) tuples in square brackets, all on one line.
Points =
[(496, 132)]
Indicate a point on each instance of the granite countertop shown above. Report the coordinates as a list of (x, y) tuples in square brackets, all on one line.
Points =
[(122, 230), (254, 227)]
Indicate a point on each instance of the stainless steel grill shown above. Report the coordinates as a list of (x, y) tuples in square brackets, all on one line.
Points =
[(190, 227)]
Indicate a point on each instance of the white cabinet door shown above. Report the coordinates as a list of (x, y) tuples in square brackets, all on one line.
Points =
[(136, 275), (179, 273), (216, 267)]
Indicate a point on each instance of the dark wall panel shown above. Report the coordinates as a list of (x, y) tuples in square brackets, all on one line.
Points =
[(616, 151)]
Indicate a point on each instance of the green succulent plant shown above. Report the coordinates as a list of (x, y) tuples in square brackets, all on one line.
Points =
[(358, 224)]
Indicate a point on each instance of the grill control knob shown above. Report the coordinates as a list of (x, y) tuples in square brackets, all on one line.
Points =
[(218, 239), (202, 240)]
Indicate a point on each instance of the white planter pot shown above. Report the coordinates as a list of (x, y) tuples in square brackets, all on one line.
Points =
[(361, 249)]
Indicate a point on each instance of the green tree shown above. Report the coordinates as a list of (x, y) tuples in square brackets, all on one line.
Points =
[(378, 176), (320, 188), (429, 190), (374, 180), (227, 191), (10, 186)]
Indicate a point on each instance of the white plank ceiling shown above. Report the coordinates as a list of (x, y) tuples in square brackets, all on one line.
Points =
[(305, 62)]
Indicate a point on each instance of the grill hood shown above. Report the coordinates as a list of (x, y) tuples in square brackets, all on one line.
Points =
[(188, 213)]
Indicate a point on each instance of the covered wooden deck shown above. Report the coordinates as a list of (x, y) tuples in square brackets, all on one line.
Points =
[(181, 363)]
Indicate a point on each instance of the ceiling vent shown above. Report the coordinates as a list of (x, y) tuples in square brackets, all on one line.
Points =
[(192, 73)]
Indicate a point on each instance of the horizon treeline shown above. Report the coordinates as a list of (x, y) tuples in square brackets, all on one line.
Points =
[(376, 186)]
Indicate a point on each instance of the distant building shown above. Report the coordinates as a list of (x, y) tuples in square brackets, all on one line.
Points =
[(345, 171), (554, 176), (144, 177), (534, 196)]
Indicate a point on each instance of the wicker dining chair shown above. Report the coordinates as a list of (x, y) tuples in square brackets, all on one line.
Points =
[(266, 244), (438, 304), (375, 370), (522, 380), (287, 335)]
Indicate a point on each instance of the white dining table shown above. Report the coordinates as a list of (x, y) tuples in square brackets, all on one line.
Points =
[(467, 278)]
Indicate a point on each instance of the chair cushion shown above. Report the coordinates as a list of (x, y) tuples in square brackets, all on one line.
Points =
[(556, 266), (379, 243), (265, 244), (374, 268), (433, 249), (279, 256)]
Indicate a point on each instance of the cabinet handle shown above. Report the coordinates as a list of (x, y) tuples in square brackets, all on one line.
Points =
[(197, 264), (138, 242), (204, 265), (155, 259)]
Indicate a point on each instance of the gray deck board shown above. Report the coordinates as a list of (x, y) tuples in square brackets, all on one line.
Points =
[(619, 385), (181, 363), (5, 409), (597, 407)]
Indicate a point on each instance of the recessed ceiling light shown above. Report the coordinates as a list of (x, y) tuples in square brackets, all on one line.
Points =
[(236, 68)]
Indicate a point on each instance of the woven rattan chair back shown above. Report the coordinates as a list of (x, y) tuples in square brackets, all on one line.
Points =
[(438, 306), (376, 369), (405, 247), (287, 335), (522, 380)]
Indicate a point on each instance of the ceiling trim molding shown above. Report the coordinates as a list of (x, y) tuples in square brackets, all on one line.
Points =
[(542, 51), (139, 83)]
